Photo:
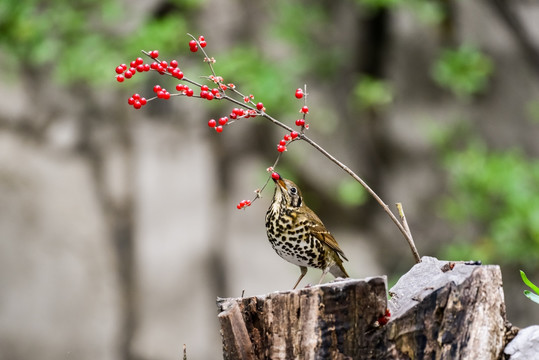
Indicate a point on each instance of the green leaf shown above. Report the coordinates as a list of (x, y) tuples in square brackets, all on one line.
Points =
[(528, 282), (533, 297)]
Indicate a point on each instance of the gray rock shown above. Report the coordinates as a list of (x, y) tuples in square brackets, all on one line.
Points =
[(525, 345)]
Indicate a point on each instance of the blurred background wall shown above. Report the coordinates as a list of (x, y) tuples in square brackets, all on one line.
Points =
[(119, 228)]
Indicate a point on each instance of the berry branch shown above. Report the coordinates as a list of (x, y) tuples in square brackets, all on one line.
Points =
[(246, 108)]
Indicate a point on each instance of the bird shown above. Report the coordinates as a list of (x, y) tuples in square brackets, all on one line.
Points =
[(298, 235)]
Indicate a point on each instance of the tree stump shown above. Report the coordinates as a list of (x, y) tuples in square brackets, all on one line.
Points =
[(440, 310), (331, 321), (447, 310)]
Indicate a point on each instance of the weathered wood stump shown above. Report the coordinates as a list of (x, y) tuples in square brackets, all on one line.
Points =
[(440, 310), (333, 321)]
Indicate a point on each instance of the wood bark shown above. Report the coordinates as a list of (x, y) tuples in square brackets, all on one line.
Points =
[(440, 310)]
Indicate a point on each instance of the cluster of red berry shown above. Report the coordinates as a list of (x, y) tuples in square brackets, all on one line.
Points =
[(135, 66), (137, 101), (250, 109), (138, 65), (287, 138), (243, 204), (299, 122), (193, 46)]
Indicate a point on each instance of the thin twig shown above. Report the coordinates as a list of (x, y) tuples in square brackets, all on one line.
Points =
[(407, 228)]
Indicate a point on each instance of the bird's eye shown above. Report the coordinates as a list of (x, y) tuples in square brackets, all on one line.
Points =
[(293, 191)]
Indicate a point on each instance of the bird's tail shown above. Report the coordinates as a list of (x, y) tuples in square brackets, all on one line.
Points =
[(338, 270)]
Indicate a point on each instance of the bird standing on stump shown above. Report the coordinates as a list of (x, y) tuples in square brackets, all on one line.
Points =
[(298, 235)]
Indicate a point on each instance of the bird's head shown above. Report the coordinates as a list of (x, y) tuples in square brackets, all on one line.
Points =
[(286, 191)]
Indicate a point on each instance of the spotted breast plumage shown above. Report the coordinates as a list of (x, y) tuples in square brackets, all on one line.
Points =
[(298, 235)]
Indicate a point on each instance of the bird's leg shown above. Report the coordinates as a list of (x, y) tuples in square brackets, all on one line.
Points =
[(303, 272), (323, 275)]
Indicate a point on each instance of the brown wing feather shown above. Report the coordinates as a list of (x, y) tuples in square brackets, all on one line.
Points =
[(321, 233)]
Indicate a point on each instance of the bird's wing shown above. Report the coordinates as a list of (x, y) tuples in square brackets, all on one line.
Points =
[(320, 232)]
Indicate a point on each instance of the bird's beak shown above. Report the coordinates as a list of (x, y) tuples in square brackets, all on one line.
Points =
[(280, 182)]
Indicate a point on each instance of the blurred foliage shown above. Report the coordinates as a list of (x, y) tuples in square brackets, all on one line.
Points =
[(350, 193), (464, 71), (532, 109), (492, 199), (83, 43), (308, 32), (429, 12), (373, 93)]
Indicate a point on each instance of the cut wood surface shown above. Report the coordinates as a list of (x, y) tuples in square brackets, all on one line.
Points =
[(439, 310)]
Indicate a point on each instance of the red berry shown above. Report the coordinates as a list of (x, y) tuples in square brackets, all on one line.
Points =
[(137, 104), (204, 88), (133, 63), (294, 134), (143, 101), (179, 87), (299, 93), (286, 137), (281, 148), (282, 142), (300, 122), (203, 44), (201, 38), (156, 88), (189, 92), (154, 65), (139, 61), (210, 96), (167, 95), (146, 67), (120, 78), (140, 68), (219, 129), (131, 101), (275, 176), (223, 120), (215, 91), (178, 74), (239, 206), (119, 69), (203, 94), (192, 44), (128, 74), (259, 106), (136, 96), (305, 109), (154, 54), (164, 64), (212, 123), (174, 63)]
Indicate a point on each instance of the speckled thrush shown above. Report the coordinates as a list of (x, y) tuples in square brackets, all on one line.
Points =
[(298, 235)]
